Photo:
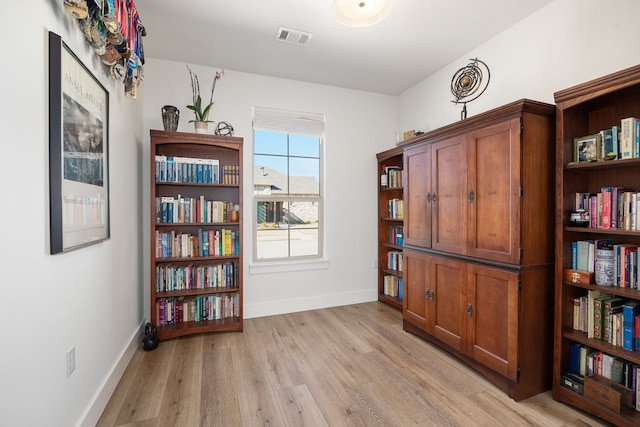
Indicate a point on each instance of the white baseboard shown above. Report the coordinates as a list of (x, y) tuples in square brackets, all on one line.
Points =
[(91, 417)]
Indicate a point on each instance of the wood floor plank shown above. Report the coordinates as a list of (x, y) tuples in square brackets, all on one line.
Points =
[(143, 399), (219, 405), (181, 402), (299, 407), (341, 366), (257, 400)]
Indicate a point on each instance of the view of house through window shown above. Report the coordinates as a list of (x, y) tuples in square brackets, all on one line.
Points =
[(287, 195)]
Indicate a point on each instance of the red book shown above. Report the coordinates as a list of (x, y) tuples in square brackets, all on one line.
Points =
[(606, 207)]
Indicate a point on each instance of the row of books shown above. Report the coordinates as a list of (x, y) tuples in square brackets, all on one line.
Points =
[(611, 208), (608, 318), (178, 209), (173, 311), (619, 142), (184, 277), (394, 260), (391, 177), (396, 235), (396, 208), (205, 243), (614, 264), (392, 286), (187, 170), (230, 174), (596, 374)]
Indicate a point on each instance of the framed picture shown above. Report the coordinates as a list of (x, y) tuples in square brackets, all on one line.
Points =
[(78, 152), (586, 148)]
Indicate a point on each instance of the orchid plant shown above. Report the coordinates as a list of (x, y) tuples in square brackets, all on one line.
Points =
[(201, 111)]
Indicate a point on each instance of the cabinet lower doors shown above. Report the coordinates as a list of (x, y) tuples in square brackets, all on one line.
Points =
[(470, 307), (492, 318), (435, 296)]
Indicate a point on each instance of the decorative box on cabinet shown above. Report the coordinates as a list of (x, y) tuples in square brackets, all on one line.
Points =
[(390, 226), (195, 233), (582, 110), (479, 243)]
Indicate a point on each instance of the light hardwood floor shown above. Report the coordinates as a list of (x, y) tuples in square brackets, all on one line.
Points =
[(343, 366)]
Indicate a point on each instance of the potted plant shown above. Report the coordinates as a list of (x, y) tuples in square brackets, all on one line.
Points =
[(201, 111)]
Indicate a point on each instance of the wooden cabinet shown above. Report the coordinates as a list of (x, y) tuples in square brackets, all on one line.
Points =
[(390, 226), (479, 239), (195, 233), (582, 110)]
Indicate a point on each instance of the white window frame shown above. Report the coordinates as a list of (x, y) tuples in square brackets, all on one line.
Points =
[(298, 123)]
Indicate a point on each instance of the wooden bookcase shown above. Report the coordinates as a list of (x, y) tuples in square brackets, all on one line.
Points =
[(583, 110), (195, 287), (390, 185)]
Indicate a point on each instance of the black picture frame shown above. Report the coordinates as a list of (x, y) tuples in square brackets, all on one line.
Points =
[(78, 152)]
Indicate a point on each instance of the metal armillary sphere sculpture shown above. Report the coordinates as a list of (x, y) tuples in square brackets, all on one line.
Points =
[(469, 82), (224, 129)]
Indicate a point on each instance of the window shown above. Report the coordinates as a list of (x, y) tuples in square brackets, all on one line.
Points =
[(287, 185)]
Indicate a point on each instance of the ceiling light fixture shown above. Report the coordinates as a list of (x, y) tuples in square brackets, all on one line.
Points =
[(361, 13)]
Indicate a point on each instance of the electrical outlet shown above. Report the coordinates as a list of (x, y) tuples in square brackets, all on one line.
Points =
[(71, 361)]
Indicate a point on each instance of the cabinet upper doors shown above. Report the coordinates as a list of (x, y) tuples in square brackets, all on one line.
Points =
[(417, 196), (494, 192), (463, 194), (449, 207)]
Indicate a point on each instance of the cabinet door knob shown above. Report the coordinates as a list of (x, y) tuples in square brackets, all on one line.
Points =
[(471, 196), (428, 197), (433, 198), (469, 310)]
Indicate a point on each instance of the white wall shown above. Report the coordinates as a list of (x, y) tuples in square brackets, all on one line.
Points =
[(563, 44), (96, 298), (90, 298), (358, 124)]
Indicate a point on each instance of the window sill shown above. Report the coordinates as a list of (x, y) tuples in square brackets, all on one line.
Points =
[(288, 266)]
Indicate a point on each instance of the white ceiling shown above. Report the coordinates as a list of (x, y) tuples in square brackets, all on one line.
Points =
[(416, 40)]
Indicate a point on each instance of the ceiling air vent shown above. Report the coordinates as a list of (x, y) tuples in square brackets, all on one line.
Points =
[(297, 37)]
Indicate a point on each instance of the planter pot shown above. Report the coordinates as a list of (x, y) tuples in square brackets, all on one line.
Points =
[(202, 127)]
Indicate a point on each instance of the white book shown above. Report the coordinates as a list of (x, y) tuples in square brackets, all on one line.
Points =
[(627, 137)]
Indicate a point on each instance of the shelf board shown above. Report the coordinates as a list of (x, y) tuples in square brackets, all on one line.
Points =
[(195, 224), (392, 301), (396, 273), (614, 290), (195, 292), (629, 416), (198, 258), (611, 231), (231, 324), (581, 337), (602, 165)]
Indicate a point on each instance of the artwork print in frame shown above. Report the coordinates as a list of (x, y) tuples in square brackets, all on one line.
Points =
[(78, 152), (586, 148)]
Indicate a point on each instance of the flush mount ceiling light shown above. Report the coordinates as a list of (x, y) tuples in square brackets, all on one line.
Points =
[(361, 13)]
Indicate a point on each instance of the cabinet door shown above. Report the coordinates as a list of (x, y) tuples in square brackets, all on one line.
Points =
[(417, 197), (445, 309), (449, 207), (414, 274), (492, 324), (494, 192)]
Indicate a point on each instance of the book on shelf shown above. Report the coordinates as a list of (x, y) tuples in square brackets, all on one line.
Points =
[(629, 310), (628, 137)]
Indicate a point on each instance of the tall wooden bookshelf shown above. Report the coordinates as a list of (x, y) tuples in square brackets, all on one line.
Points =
[(196, 231), (582, 110), (390, 226)]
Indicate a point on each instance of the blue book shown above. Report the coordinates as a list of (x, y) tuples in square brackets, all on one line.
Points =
[(629, 311), (615, 134), (574, 358), (574, 255), (637, 141)]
